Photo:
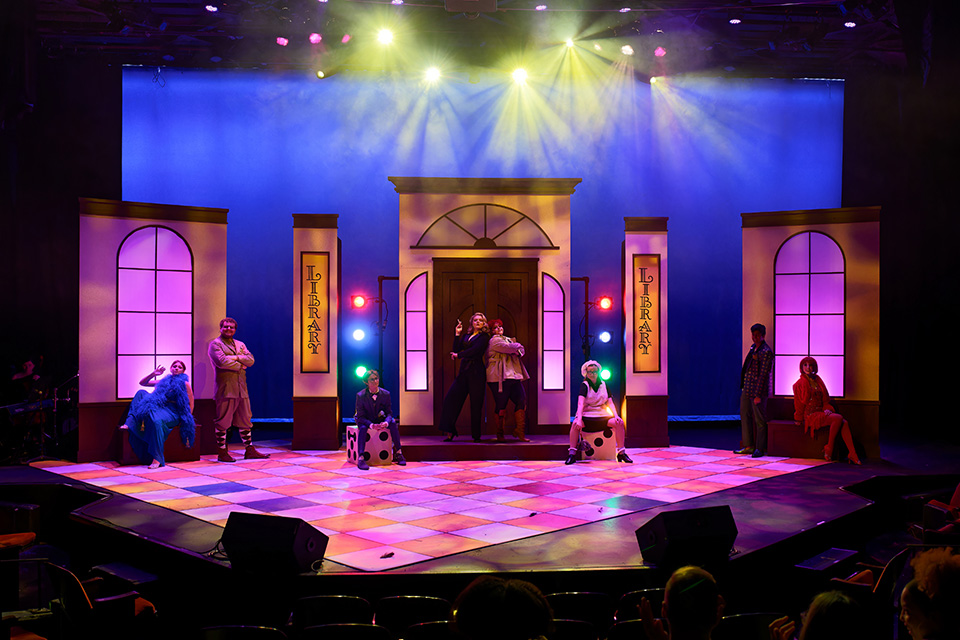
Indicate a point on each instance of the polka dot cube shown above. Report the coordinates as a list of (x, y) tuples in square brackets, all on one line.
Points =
[(603, 442), (378, 448)]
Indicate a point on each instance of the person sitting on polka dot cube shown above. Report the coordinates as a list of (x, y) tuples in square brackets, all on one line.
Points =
[(373, 410), (595, 412)]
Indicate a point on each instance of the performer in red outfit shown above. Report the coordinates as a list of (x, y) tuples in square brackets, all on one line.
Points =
[(813, 410)]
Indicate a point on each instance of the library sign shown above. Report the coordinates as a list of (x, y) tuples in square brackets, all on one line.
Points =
[(646, 313), (314, 311)]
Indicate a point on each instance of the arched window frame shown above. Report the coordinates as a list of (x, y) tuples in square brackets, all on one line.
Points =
[(552, 358), (415, 332), (146, 361), (831, 361)]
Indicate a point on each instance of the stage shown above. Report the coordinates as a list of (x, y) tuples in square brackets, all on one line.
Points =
[(472, 515)]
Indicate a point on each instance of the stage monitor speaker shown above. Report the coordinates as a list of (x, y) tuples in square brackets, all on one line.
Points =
[(688, 536), (265, 544)]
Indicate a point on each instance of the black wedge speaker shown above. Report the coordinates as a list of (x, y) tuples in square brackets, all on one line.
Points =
[(688, 536), (265, 544)]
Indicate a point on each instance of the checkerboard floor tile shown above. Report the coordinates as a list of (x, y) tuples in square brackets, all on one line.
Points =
[(393, 516)]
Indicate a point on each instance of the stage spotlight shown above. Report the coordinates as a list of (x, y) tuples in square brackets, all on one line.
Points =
[(315, 38), (385, 36), (212, 8), (322, 1), (358, 302), (626, 50), (359, 335), (345, 39), (625, 10), (569, 43), (320, 74), (653, 80), (397, 2), (282, 41), (541, 7), (360, 371), (604, 336), (659, 52), (734, 17), (598, 47), (849, 24), (432, 74), (605, 303), (520, 76), (605, 374)]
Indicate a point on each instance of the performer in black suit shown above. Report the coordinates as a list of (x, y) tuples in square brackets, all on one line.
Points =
[(373, 409), (471, 379)]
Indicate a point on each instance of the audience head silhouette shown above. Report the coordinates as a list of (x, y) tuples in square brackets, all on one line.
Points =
[(494, 608), (692, 603), (833, 616), (928, 604)]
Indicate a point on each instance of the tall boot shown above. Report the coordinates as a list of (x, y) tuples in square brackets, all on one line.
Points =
[(501, 418), (521, 417)]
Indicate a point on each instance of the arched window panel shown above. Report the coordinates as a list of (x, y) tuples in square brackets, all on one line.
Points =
[(826, 293), (830, 369), (825, 254), (794, 255), (417, 294), (552, 294), (172, 251), (554, 334), (416, 331), (792, 334), (553, 330), (415, 321), (154, 305), (787, 370), (793, 293), (173, 333), (139, 250), (136, 290), (130, 369), (136, 334), (826, 335)]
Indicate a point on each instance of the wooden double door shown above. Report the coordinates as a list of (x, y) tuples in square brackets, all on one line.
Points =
[(498, 288)]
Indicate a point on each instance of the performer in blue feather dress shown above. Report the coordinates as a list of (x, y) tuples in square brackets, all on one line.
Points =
[(153, 416)]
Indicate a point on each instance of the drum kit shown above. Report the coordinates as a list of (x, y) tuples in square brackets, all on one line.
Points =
[(31, 429)]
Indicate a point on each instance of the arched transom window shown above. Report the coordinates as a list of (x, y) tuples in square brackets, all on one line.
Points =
[(485, 226)]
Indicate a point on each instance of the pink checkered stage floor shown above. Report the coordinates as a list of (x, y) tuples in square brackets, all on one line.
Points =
[(393, 516)]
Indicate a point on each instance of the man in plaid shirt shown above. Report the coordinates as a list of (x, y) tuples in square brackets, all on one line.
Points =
[(756, 381)]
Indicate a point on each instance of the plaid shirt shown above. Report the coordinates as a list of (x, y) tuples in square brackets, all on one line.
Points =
[(756, 377)]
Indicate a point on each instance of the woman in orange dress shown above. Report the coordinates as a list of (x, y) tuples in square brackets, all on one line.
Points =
[(812, 409)]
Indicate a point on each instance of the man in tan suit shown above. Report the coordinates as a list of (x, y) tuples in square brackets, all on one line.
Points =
[(230, 359)]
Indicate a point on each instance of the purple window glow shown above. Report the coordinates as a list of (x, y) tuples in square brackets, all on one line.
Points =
[(154, 305), (809, 310), (415, 303), (554, 314)]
